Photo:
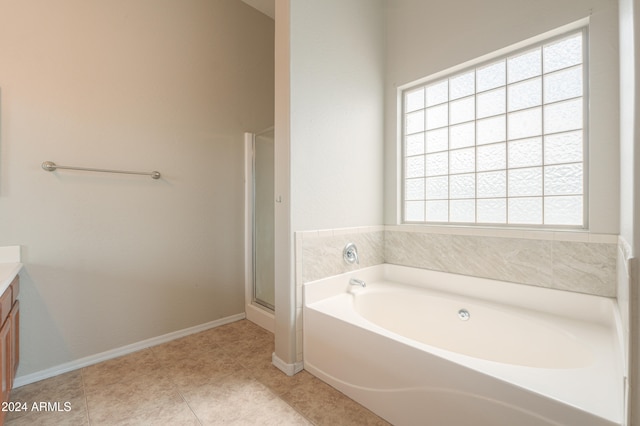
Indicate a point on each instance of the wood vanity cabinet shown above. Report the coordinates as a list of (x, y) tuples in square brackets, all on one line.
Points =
[(9, 340)]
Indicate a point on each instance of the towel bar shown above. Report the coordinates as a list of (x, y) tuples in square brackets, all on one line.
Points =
[(50, 166)]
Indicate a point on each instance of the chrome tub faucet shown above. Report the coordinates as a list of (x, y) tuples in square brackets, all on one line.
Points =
[(355, 281)]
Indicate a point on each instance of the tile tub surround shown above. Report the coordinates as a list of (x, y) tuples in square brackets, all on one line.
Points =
[(320, 252), (581, 266), (581, 262)]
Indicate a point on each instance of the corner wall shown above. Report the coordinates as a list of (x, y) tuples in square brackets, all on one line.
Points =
[(628, 264), (331, 131), (337, 65)]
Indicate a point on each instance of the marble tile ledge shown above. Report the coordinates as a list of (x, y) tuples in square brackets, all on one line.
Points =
[(581, 236)]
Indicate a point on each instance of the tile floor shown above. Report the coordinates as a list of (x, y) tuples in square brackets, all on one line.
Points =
[(222, 376)]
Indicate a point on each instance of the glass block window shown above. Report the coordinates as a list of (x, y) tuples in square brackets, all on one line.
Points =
[(502, 143)]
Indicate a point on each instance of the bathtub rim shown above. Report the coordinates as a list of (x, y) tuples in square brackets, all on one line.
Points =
[(580, 306)]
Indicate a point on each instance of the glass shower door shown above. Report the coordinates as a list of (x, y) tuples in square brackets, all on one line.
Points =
[(263, 219)]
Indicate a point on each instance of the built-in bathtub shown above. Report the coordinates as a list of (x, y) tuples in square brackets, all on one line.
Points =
[(421, 347)]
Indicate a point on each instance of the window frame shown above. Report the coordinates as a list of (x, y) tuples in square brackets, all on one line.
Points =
[(539, 41)]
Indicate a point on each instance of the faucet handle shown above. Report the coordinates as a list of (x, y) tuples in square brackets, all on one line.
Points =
[(350, 254)]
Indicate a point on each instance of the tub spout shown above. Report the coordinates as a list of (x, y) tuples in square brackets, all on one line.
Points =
[(355, 281)]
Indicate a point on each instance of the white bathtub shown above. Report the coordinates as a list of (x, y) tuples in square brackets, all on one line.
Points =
[(526, 355)]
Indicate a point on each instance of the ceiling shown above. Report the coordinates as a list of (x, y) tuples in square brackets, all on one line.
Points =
[(267, 7)]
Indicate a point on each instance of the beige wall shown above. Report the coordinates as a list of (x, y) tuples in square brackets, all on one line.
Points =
[(135, 85)]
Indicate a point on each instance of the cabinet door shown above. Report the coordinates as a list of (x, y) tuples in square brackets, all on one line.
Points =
[(5, 359), (14, 316)]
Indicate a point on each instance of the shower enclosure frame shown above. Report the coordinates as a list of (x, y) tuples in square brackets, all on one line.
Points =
[(256, 312)]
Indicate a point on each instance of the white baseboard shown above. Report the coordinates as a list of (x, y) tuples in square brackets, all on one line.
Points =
[(124, 350), (286, 368), (261, 317)]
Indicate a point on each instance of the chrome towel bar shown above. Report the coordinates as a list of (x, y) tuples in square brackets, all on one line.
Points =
[(50, 166)]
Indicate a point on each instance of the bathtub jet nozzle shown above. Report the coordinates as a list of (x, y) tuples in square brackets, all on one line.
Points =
[(464, 315)]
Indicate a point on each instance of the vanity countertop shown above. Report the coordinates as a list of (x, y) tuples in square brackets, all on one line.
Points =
[(9, 265), (8, 272)]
